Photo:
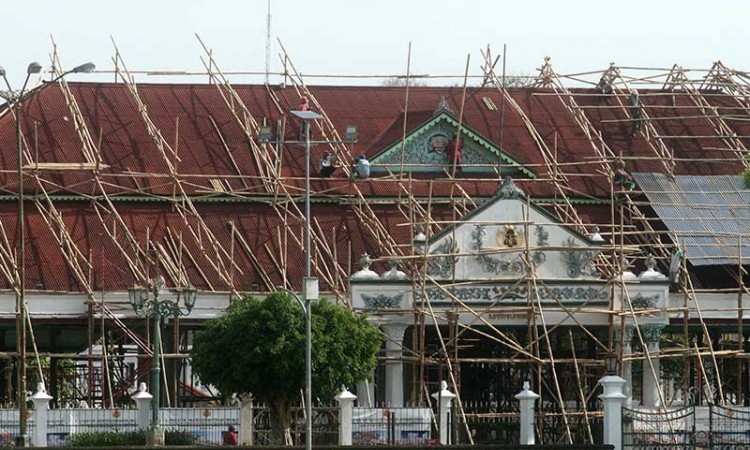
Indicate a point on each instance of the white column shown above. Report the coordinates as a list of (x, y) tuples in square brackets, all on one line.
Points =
[(613, 399), (346, 406), (142, 404), (651, 335), (526, 398), (246, 420), (444, 397), (627, 366), (41, 400), (394, 366)]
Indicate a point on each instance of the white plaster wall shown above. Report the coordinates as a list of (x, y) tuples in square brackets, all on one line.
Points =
[(49, 305), (509, 212)]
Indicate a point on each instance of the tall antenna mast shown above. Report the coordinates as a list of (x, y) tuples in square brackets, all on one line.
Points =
[(268, 41)]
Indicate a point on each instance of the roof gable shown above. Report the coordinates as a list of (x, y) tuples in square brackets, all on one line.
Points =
[(491, 242), (424, 150)]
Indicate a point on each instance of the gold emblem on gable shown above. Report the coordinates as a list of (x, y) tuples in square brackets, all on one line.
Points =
[(510, 237)]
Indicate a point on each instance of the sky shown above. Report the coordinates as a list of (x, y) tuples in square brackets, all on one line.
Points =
[(367, 37)]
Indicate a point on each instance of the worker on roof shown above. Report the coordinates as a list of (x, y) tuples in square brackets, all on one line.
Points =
[(453, 151), (362, 169), (622, 177), (304, 103), (604, 89), (636, 111), (327, 166)]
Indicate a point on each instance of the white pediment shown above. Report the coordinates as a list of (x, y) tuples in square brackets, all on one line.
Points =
[(507, 237)]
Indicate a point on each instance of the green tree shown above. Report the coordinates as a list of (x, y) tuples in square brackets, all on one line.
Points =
[(399, 81), (258, 347)]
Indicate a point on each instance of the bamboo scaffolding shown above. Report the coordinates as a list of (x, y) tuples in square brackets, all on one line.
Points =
[(283, 193)]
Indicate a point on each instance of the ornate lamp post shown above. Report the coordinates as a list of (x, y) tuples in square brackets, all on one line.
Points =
[(146, 302), (14, 99)]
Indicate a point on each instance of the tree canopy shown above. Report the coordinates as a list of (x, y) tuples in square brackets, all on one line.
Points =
[(258, 347)]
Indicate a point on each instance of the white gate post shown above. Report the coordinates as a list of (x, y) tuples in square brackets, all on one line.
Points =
[(526, 398), (246, 420), (613, 399), (41, 400), (444, 398), (346, 403), (142, 402)]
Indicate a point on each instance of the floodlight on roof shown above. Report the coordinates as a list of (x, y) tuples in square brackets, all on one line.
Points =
[(307, 115), (266, 133), (351, 134)]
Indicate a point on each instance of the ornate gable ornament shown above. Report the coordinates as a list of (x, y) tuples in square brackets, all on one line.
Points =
[(443, 106), (508, 190)]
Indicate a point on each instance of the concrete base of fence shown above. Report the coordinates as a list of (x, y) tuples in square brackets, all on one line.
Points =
[(155, 437), (246, 420)]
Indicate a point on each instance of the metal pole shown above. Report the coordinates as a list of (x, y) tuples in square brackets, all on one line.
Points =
[(308, 317), (22, 439), (156, 364), (308, 267)]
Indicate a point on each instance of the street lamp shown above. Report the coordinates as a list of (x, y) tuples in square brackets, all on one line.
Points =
[(14, 99), (310, 283), (146, 303)]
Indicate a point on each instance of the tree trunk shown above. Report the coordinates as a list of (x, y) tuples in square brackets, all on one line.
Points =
[(281, 432)]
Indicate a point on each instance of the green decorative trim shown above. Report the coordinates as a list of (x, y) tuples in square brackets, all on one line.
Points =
[(516, 293), (651, 333), (629, 330), (509, 191), (578, 263), (641, 302), (442, 266), (490, 264), (443, 116), (511, 266), (382, 301), (542, 240)]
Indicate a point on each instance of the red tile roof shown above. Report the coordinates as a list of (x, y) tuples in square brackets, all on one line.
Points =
[(208, 144)]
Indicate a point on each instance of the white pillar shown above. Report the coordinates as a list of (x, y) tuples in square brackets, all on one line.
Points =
[(142, 404), (246, 420), (613, 399), (651, 336), (346, 406), (394, 366), (41, 400), (627, 366), (444, 398), (526, 398)]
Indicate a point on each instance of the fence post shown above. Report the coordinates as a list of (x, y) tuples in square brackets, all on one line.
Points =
[(346, 402), (526, 398), (246, 419), (142, 402), (41, 400), (613, 399), (444, 398)]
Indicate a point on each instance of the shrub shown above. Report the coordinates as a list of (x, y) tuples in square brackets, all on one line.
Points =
[(127, 438), (181, 437), (107, 439)]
